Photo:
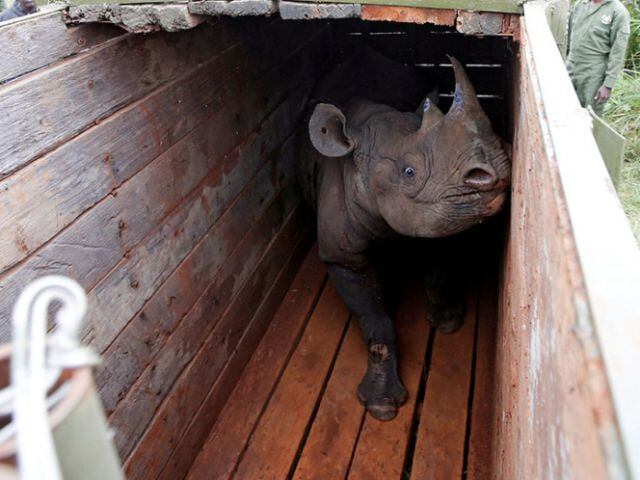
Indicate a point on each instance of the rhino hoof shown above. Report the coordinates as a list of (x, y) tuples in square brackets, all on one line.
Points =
[(446, 319), (383, 408), (381, 394)]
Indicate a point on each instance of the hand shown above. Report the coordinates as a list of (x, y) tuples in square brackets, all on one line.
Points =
[(603, 94)]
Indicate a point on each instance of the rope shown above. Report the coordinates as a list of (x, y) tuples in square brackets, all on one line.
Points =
[(36, 364)]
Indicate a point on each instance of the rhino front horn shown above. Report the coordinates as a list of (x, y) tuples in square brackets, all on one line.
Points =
[(464, 96)]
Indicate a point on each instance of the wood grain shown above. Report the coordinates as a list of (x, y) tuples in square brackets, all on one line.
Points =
[(93, 85), (134, 412), (44, 40), (115, 225), (88, 168), (130, 284), (190, 389), (334, 432), (139, 341), (243, 408), (381, 447), (549, 375), (440, 441), (276, 439), (84, 170), (200, 424)]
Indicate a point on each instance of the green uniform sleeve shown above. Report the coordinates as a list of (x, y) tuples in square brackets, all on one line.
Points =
[(619, 38)]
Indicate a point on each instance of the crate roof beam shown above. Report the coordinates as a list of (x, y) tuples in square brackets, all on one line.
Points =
[(501, 6)]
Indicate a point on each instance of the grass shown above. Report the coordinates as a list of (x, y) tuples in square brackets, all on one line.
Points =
[(623, 113)]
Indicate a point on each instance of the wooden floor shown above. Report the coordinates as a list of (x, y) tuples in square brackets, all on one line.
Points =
[(294, 412)]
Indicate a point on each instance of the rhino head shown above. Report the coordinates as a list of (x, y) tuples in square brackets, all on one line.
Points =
[(425, 173)]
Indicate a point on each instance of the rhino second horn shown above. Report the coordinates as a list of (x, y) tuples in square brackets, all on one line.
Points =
[(431, 116)]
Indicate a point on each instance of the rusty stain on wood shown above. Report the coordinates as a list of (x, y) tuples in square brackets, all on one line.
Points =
[(409, 15), (511, 26)]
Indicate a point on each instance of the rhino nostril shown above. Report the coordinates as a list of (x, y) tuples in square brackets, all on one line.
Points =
[(479, 177)]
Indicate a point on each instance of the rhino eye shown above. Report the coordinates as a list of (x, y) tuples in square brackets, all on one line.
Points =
[(409, 172)]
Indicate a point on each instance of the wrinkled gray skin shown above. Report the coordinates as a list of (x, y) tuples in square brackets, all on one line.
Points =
[(376, 169)]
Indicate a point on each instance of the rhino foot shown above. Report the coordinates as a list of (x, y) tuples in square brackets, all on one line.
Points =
[(446, 319), (381, 391)]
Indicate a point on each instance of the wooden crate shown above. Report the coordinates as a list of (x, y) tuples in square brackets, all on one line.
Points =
[(158, 171)]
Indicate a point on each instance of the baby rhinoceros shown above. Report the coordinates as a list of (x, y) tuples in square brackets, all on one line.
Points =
[(373, 173)]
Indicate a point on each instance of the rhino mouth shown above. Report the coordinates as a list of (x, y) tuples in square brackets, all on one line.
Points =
[(475, 194)]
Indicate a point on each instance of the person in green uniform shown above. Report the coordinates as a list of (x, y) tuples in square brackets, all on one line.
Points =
[(598, 36)]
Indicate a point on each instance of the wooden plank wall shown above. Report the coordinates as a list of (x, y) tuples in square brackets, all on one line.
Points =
[(553, 411), (157, 171)]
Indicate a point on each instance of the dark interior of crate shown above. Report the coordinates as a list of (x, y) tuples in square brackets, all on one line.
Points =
[(487, 59), (293, 412)]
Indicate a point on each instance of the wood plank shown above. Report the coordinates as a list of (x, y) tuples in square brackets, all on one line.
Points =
[(83, 171), (69, 181), (244, 406), (507, 6), (380, 452), (135, 411), (124, 291), (274, 444), (483, 411), (570, 289), (140, 340), (115, 225), (44, 40), (190, 389), (334, 433), (96, 83), (440, 442), (420, 16), (200, 424)]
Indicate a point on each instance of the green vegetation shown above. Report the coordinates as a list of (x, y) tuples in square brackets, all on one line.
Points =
[(623, 113)]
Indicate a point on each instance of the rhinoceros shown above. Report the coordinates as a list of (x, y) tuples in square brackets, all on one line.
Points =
[(376, 166)]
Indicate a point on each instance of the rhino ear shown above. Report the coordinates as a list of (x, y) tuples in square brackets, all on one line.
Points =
[(328, 131)]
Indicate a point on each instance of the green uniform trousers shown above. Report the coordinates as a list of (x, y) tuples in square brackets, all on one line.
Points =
[(587, 77)]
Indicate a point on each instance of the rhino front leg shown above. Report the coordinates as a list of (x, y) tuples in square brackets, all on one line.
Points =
[(381, 389)]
